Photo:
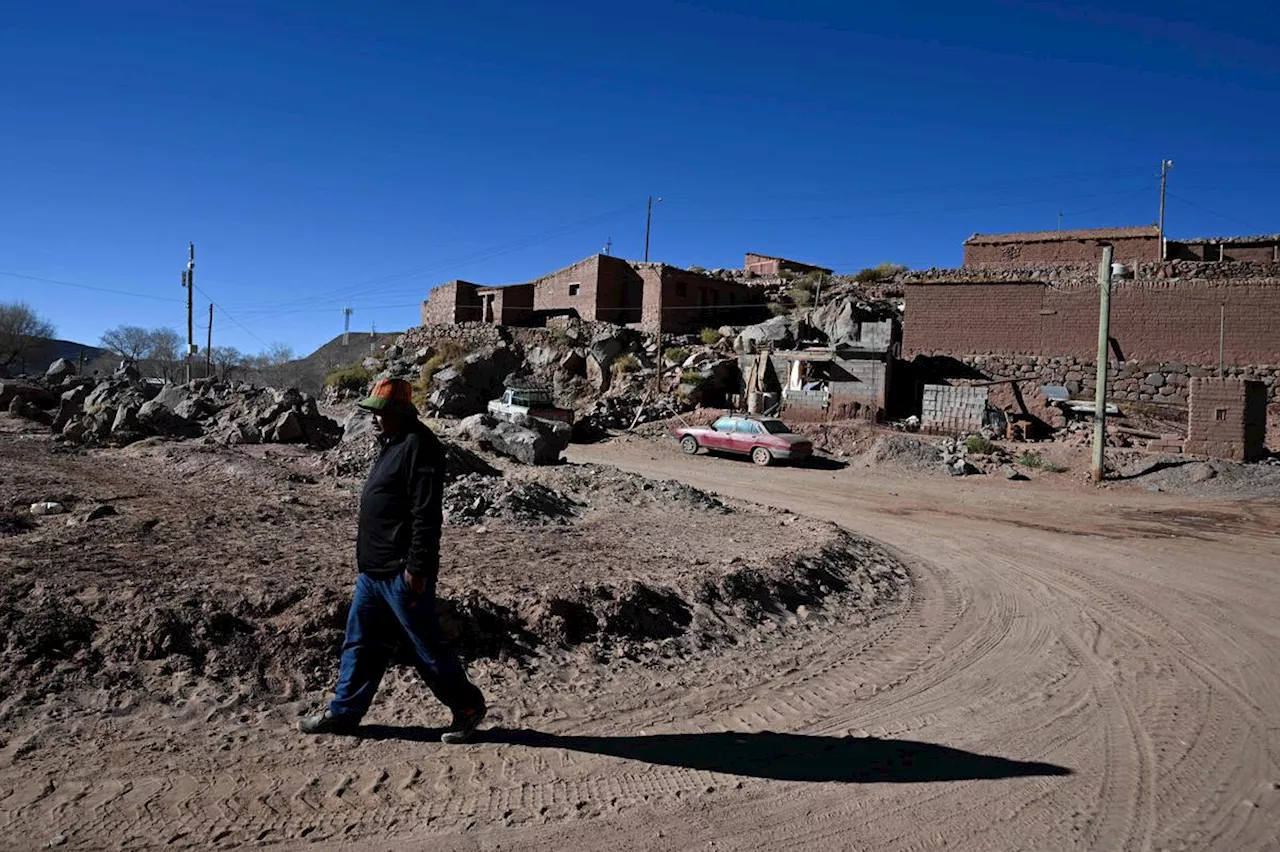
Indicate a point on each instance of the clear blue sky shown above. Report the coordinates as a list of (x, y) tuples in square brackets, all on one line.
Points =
[(324, 153)]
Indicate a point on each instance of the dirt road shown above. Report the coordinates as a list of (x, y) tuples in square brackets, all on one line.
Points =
[(1074, 669), (1129, 637)]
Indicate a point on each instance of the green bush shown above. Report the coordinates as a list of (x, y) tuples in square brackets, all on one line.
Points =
[(676, 354), (626, 363), (448, 352), (778, 309), (692, 377), (353, 377), (979, 445), (1037, 462), (710, 336), (879, 273), (802, 296)]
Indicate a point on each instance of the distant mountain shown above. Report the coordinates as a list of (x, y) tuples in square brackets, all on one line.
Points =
[(307, 374), (47, 350)]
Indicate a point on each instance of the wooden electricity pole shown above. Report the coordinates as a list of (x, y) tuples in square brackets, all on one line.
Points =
[(1165, 165), (208, 346), (1104, 340), (189, 281)]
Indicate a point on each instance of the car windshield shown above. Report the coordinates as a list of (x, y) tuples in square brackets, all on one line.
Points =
[(775, 427)]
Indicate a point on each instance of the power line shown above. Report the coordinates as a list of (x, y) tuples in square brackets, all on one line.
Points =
[(89, 287), (235, 321), (1216, 213)]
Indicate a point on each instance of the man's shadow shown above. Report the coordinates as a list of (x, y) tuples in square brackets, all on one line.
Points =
[(781, 757)]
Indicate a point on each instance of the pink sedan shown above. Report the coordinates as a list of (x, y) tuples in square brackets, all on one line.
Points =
[(762, 438)]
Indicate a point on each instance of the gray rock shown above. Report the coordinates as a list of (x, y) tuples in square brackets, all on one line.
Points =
[(287, 429), (393, 352), (779, 332), (1012, 473), (128, 372), (1154, 380), (530, 441), (604, 348), (728, 331), (423, 355), (599, 377), (157, 419), (540, 357), (837, 320), (357, 427), (28, 392), (171, 396), (574, 363), (60, 370), (126, 420), (476, 427), (1201, 473), (76, 395), (371, 364)]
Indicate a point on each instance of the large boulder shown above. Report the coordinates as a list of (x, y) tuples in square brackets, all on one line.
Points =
[(605, 347), (574, 363), (172, 396), (158, 419), (59, 371), (837, 320), (530, 441), (286, 429), (477, 379), (28, 392), (779, 332)]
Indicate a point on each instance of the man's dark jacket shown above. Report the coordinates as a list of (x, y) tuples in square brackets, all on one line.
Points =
[(400, 508)]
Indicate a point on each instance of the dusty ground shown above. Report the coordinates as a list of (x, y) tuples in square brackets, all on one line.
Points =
[(1071, 668)]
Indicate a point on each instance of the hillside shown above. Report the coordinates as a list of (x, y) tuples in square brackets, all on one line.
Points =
[(47, 350), (308, 373)]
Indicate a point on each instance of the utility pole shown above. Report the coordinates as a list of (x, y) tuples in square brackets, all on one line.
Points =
[(346, 326), (1104, 339), (1165, 165), (373, 333), (608, 246), (1059, 220), (189, 281), (648, 222), (208, 346)]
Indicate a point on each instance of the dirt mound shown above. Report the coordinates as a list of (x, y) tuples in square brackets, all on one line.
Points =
[(473, 499), (583, 481), (1216, 479), (904, 452)]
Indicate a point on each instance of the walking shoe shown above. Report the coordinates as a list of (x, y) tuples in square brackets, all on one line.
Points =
[(327, 723), (464, 725)]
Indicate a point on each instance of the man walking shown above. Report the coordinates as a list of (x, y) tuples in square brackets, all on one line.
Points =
[(398, 556)]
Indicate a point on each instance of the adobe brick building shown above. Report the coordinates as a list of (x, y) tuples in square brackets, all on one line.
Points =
[(601, 288), (1044, 248), (767, 266), (1227, 419)]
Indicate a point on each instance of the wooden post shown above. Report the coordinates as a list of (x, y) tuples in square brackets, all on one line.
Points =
[(1104, 340)]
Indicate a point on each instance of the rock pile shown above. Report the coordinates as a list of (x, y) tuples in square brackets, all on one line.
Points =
[(474, 499), (125, 408)]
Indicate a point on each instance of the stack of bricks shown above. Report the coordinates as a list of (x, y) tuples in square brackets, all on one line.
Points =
[(950, 409), (1227, 419)]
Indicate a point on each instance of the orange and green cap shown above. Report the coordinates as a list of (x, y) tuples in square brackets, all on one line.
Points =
[(390, 395)]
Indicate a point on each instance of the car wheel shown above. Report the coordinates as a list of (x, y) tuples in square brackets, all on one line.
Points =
[(761, 456), (689, 444)]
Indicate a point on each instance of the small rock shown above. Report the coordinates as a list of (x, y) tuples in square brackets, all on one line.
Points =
[(57, 840), (103, 510), (47, 507), (290, 500), (1202, 473), (1013, 474)]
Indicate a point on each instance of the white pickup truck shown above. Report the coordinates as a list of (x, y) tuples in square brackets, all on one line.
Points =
[(535, 403)]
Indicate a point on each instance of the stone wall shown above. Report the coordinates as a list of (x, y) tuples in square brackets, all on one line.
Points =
[(455, 301), (1127, 381), (1227, 419), (470, 335)]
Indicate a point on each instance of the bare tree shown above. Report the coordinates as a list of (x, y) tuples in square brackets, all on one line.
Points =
[(20, 330), (272, 365), (162, 350), (130, 342), (226, 360)]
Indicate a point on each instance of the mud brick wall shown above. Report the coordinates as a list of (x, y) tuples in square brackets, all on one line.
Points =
[(1127, 250), (947, 408), (1227, 419), (1151, 320), (453, 302)]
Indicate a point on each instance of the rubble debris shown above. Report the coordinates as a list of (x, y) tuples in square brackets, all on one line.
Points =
[(474, 499)]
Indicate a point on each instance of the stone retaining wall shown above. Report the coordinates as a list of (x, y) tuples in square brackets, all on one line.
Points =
[(1129, 381)]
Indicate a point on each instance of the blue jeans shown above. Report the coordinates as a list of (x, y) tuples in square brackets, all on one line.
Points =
[(387, 617)]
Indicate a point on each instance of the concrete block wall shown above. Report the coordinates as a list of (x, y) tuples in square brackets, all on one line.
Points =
[(1227, 419), (947, 408)]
